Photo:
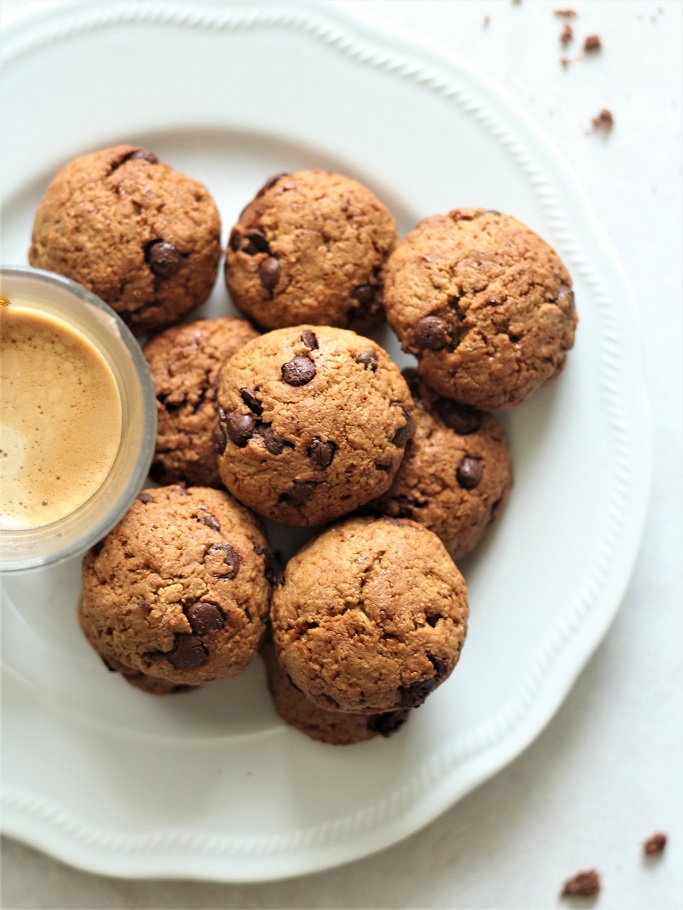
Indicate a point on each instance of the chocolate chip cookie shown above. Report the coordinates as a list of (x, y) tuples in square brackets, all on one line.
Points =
[(457, 471), (371, 616), (140, 235), (311, 248), (313, 423), (178, 590), (185, 361), (484, 304), (335, 727)]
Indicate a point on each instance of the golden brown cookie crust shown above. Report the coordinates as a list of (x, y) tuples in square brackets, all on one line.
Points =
[(456, 475), (371, 616), (313, 423), (485, 305), (311, 248), (335, 727), (178, 590), (140, 235), (185, 361)]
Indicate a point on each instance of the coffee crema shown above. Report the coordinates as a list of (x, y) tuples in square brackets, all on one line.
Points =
[(60, 418)]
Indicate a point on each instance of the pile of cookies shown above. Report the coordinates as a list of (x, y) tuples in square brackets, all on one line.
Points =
[(294, 415)]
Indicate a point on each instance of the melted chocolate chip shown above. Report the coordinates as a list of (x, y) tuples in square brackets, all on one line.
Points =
[(440, 666), (225, 555), (145, 154), (271, 441), (469, 473), (310, 339), (188, 652), (459, 417), (219, 439), (163, 258), (298, 371), (253, 242), (364, 294), (321, 452), (431, 332), (414, 695), (248, 396), (387, 724), (204, 617), (404, 433), (240, 428), (210, 521), (146, 497), (369, 360), (300, 494), (269, 274), (270, 183)]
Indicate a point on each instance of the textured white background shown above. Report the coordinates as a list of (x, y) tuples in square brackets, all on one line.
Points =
[(608, 770)]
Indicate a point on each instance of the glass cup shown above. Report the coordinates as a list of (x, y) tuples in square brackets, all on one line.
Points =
[(70, 536)]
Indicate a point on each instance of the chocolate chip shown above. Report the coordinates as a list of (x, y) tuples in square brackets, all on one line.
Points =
[(163, 258), (253, 242), (210, 521), (269, 274), (219, 439), (300, 493), (364, 294), (431, 332), (146, 497), (271, 441), (321, 452), (270, 183), (240, 428), (440, 667), (369, 360), (459, 417), (310, 339), (204, 617), (188, 652), (298, 371), (248, 396), (469, 473), (227, 556), (387, 724), (97, 548), (404, 433), (145, 154), (414, 695)]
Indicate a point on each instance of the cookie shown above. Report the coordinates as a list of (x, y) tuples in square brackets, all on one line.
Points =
[(178, 590), (311, 248), (184, 361), (457, 471), (371, 616), (140, 235), (313, 423), (335, 727), (484, 304)]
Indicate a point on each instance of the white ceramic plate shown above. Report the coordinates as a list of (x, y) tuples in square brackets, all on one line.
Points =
[(211, 784)]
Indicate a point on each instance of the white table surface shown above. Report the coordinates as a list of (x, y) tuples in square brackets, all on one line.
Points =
[(608, 770)]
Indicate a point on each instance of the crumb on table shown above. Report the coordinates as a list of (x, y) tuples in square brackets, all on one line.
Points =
[(566, 13), (592, 44), (583, 884), (604, 120), (654, 845), (567, 35)]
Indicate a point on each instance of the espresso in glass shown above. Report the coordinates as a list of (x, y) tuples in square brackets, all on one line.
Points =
[(60, 423)]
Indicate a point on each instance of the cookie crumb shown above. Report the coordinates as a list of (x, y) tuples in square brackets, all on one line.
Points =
[(592, 44), (566, 13), (567, 35), (565, 61), (604, 120), (487, 20), (654, 845), (583, 884)]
